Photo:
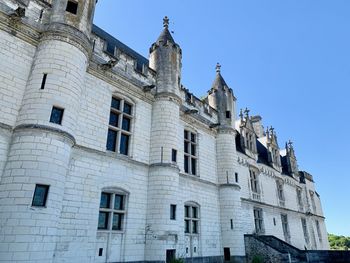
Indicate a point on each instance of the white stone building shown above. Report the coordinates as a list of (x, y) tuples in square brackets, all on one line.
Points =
[(106, 157)]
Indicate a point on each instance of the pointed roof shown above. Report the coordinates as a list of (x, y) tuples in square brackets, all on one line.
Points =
[(165, 36), (219, 82)]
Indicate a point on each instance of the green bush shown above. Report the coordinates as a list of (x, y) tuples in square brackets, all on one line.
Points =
[(177, 260), (257, 259)]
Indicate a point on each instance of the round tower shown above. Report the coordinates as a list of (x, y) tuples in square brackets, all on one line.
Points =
[(221, 98), (34, 177), (161, 231)]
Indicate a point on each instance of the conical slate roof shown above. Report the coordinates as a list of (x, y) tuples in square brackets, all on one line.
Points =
[(219, 82), (165, 36)]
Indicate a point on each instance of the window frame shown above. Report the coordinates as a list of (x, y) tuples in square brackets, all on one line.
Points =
[(191, 144), (47, 189), (305, 230), (118, 129), (258, 218), (191, 219), (285, 227), (254, 183), (111, 210)]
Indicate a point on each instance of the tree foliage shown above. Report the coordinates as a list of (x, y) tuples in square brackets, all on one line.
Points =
[(339, 242)]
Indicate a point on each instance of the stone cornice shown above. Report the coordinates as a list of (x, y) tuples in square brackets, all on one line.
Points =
[(129, 87), (45, 128), (279, 207)]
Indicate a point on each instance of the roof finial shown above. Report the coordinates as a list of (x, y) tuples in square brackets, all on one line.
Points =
[(246, 111), (166, 22), (218, 67), (241, 114), (290, 143)]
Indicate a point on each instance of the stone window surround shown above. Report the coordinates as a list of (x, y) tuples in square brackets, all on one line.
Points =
[(254, 183), (258, 220), (191, 219), (190, 154), (285, 227), (305, 230), (114, 191), (119, 129)]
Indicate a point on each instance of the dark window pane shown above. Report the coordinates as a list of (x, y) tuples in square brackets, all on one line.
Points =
[(186, 168), (186, 144), (193, 137), (173, 155), (193, 149), (126, 124), (186, 134), (124, 144), (105, 200), (187, 211), (118, 202), (127, 108), (102, 220), (115, 103), (194, 212), (193, 166), (72, 7), (111, 140), (173, 212), (113, 119), (117, 221), (56, 115), (194, 227), (187, 226), (40, 195)]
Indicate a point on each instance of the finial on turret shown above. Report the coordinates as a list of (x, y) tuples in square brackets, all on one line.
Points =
[(166, 22), (218, 67), (246, 111), (290, 143), (271, 130), (241, 114)]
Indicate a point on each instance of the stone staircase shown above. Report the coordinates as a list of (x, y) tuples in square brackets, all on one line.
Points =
[(270, 249)]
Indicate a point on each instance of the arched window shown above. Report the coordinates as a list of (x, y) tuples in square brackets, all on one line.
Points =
[(112, 210), (119, 128), (191, 218)]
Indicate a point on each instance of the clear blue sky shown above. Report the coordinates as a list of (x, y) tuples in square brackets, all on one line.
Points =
[(288, 61)]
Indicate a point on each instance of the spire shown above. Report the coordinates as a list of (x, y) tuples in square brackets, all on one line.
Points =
[(219, 82), (165, 36)]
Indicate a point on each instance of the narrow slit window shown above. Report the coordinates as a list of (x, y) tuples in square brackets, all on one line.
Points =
[(172, 212), (174, 155), (228, 114), (72, 7), (43, 82)]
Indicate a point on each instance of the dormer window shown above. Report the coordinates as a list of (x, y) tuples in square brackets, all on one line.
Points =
[(72, 7)]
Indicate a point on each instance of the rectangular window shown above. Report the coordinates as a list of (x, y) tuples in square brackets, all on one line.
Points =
[(174, 155), (72, 7), (305, 231), (56, 115), (119, 128), (40, 195), (258, 221), (300, 200), (112, 211), (227, 254), (236, 177), (172, 212), (191, 219), (228, 114), (318, 230), (312, 197), (231, 222), (285, 227), (190, 152), (43, 82)]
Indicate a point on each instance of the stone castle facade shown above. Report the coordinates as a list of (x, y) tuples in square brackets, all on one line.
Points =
[(106, 157)]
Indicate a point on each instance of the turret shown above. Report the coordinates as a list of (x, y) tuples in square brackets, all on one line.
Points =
[(75, 13), (221, 98), (165, 59), (162, 232), (47, 124)]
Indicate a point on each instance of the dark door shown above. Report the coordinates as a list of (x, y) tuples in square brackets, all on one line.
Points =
[(170, 254), (227, 254)]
